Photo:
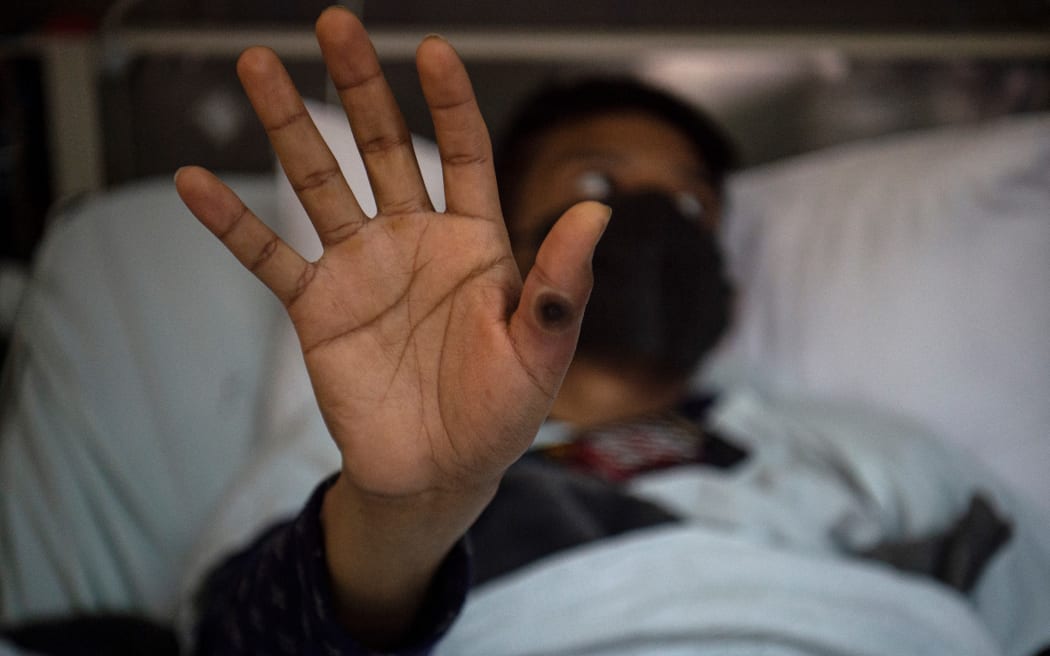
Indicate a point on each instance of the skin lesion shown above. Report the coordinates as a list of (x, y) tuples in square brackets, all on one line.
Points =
[(554, 312)]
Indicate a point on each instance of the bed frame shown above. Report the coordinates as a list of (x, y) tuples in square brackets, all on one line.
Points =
[(74, 64)]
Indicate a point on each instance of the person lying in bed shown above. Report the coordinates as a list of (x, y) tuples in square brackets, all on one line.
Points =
[(439, 344)]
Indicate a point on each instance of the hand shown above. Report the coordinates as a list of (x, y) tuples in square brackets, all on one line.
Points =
[(432, 363)]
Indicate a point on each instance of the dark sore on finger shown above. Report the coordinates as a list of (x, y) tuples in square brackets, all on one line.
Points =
[(554, 312)]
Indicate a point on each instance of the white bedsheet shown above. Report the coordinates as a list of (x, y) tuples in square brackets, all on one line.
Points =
[(761, 565), (689, 590)]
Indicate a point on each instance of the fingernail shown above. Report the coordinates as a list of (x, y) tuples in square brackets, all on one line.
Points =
[(177, 172), (435, 35)]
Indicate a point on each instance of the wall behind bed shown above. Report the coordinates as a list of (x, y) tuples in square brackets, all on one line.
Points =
[(786, 77)]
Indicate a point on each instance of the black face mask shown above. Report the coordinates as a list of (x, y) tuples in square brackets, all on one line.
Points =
[(661, 298)]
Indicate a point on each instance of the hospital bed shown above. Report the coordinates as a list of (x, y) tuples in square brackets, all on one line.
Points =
[(907, 273)]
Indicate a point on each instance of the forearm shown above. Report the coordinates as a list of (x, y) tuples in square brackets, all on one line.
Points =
[(383, 554)]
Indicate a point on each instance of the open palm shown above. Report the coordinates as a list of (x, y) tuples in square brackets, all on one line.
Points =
[(432, 363)]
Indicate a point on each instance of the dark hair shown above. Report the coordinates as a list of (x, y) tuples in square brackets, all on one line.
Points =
[(559, 103)]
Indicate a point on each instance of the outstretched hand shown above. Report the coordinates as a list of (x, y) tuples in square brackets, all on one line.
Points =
[(432, 363)]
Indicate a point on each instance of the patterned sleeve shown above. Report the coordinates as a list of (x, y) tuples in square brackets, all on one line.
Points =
[(274, 598)]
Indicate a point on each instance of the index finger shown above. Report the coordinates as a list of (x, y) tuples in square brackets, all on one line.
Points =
[(462, 137)]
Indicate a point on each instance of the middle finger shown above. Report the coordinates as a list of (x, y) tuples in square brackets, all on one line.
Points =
[(379, 129)]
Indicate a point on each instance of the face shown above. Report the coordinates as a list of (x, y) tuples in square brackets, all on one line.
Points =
[(660, 298), (625, 151)]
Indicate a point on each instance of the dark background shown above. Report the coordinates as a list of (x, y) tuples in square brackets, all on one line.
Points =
[(939, 15)]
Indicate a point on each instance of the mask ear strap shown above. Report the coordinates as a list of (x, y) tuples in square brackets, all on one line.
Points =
[(595, 185), (690, 205)]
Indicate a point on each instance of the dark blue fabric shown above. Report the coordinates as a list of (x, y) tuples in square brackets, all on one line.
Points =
[(274, 598)]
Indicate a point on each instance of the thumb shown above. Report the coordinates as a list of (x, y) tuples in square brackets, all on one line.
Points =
[(546, 323)]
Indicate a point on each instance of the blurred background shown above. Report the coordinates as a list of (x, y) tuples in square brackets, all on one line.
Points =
[(95, 93)]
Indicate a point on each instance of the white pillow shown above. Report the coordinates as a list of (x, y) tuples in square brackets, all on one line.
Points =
[(912, 273), (130, 400)]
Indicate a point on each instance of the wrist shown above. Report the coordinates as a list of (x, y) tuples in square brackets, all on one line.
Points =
[(383, 552)]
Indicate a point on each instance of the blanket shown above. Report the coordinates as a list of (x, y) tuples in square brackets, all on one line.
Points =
[(686, 589), (773, 556)]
